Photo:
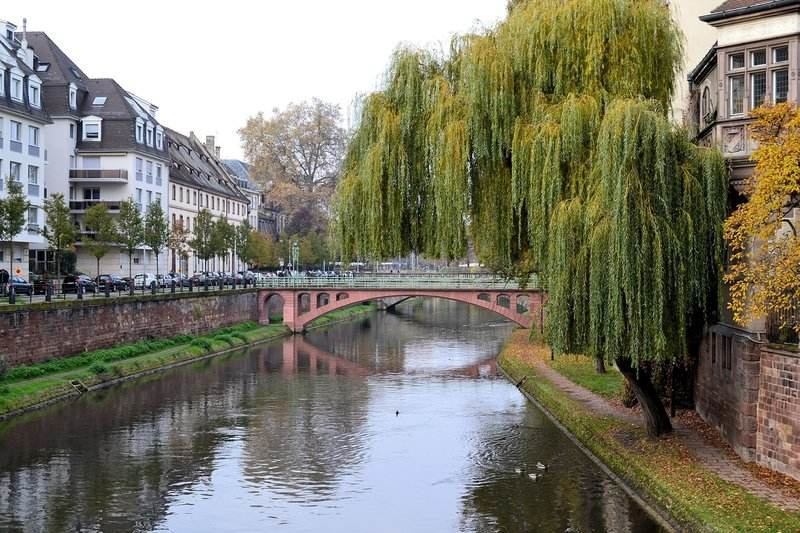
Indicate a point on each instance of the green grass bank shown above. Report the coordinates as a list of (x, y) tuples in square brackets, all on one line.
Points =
[(662, 471), (342, 315), (27, 387)]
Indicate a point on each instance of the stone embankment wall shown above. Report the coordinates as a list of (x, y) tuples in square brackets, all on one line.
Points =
[(751, 393), (39, 332)]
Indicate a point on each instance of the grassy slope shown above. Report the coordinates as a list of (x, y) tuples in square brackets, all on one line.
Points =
[(105, 365), (342, 314), (663, 469)]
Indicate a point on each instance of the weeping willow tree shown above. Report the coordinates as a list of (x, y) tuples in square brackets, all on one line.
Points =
[(545, 143)]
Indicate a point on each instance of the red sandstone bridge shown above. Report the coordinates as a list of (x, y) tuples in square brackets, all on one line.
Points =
[(305, 299)]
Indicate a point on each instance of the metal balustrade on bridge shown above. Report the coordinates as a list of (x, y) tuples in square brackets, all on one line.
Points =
[(397, 281)]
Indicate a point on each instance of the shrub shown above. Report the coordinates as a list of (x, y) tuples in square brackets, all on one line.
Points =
[(98, 369), (202, 343), (241, 336)]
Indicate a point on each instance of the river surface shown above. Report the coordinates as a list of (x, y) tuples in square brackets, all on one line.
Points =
[(390, 423)]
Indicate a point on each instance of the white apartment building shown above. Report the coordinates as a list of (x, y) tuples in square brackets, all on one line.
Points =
[(23, 158), (199, 181)]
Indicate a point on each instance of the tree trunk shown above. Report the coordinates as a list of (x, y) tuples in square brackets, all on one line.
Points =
[(98, 269), (655, 416), (600, 365)]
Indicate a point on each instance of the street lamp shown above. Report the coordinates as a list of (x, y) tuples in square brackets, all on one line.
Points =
[(295, 255)]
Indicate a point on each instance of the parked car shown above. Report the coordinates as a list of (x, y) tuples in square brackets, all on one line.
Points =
[(181, 280), (164, 280), (144, 281), (73, 281), (114, 282), (39, 284), (21, 286)]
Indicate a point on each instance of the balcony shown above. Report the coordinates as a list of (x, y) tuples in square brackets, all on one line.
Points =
[(15, 146), (105, 176), (80, 206), (33, 150), (33, 228)]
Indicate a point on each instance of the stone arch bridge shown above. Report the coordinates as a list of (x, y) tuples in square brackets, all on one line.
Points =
[(305, 299)]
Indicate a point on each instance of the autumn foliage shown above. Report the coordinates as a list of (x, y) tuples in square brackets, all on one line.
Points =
[(764, 272)]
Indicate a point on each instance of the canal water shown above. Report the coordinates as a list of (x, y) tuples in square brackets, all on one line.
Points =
[(390, 423)]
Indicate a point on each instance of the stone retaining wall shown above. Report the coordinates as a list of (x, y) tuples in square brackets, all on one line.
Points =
[(39, 332), (751, 393)]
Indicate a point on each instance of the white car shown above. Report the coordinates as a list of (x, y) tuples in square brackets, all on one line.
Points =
[(144, 281)]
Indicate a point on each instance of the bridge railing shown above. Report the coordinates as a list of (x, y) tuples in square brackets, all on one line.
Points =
[(397, 281)]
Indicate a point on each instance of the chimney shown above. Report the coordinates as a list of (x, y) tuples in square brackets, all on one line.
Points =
[(218, 152), (210, 143)]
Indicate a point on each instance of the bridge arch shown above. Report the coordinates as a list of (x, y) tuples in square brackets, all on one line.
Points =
[(309, 304)]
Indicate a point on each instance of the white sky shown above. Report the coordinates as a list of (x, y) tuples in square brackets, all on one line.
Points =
[(209, 68)]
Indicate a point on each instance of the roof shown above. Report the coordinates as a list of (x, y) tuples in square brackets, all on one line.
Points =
[(10, 59), (61, 69), (194, 165), (119, 112), (241, 171), (735, 8), (706, 64)]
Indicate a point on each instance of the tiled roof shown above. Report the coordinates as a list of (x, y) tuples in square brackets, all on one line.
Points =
[(61, 71), (9, 58), (732, 8), (193, 165)]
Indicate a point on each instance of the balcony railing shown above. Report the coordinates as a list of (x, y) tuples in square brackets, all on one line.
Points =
[(97, 174), (83, 205), (33, 150), (33, 189), (15, 146), (33, 228)]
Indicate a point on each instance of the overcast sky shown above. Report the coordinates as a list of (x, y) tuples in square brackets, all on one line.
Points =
[(209, 68)]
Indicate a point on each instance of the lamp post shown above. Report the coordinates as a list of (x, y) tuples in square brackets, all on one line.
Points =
[(295, 255)]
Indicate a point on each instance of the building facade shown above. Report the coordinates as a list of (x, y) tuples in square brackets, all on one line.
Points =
[(746, 387), (23, 156), (264, 216), (198, 180)]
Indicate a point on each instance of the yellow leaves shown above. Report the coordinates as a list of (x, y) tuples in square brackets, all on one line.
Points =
[(764, 271)]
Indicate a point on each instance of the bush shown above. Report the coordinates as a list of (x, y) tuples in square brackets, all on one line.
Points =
[(226, 339), (98, 369), (241, 336), (202, 343)]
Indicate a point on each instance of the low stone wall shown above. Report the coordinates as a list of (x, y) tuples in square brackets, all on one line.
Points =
[(751, 394), (39, 332), (778, 442)]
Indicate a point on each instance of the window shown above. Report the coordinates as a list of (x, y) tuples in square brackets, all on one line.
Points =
[(91, 131), (33, 216), (33, 175), (173, 192), (149, 135), (16, 88), (158, 174), (72, 131), (194, 196), (149, 198), (33, 135), (181, 195), (14, 170), (16, 131), (188, 223), (2, 82), (99, 101), (73, 97), (149, 171), (139, 198), (91, 162), (780, 54), (91, 193), (159, 140), (736, 94), (780, 85), (139, 164), (34, 94), (758, 89), (758, 58), (174, 220), (158, 197), (736, 61), (139, 132)]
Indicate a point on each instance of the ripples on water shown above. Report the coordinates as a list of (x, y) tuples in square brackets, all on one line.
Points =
[(302, 435)]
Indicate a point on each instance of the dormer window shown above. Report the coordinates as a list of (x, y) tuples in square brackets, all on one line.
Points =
[(91, 129), (149, 134), (73, 97), (16, 87), (34, 94), (139, 131), (159, 138)]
